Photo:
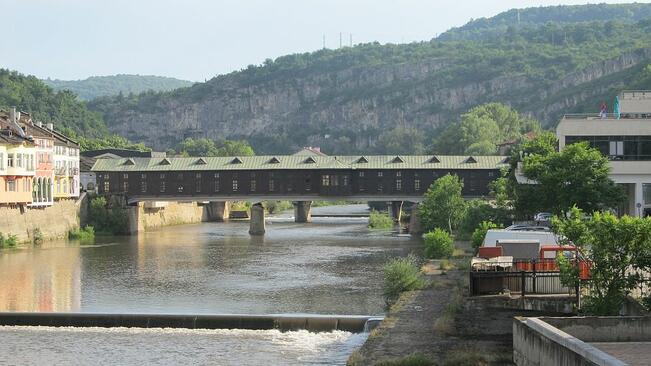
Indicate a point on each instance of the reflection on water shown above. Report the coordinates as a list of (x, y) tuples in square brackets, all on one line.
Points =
[(332, 266), (122, 346)]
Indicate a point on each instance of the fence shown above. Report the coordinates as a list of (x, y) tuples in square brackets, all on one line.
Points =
[(524, 277)]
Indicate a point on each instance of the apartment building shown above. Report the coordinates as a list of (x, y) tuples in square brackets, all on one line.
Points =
[(17, 168)]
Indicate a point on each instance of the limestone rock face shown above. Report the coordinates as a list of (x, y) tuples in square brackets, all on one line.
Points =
[(315, 107)]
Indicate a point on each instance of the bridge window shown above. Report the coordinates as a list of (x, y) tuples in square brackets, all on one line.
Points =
[(125, 186), (197, 186), (162, 187), (345, 180), (308, 184), (235, 185), (325, 180), (334, 180), (271, 185), (143, 186), (380, 187), (217, 185), (143, 176), (216, 175), (361, 174), (362, 188), (162, 176), (398, 173), (398, 184), (180, 188), (380, 174), (125, 176), (197, 176), (490, 174), (417, 184), (253, 186)]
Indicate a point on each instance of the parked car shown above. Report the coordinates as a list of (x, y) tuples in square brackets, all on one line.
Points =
[(544, 237), (519, 227), (543, 217)]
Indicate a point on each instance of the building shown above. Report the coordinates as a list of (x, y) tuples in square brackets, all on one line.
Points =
[(66, 166), (625, 138), (17, 167), (395, 178)]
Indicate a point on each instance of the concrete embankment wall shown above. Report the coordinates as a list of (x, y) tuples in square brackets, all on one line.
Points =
[(355, 324), (172, 213), (53, 222), (564, 341)]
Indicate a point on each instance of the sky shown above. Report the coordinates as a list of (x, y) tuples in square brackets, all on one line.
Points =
[(199, 39)]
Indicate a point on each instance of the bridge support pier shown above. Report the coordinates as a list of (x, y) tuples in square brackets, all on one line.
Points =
[(303, 211), (415, 228), (134, 221), (257, 226), (218, 210), (395, 210)]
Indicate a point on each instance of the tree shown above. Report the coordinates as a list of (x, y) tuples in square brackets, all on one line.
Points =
[(207, 147), (618, 252), (407, 141), (575, 176), (443, 206)]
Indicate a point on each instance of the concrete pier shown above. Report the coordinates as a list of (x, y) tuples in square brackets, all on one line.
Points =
[(395, 210), (303, 211), (415, 228), (218, 210), (257, 225)]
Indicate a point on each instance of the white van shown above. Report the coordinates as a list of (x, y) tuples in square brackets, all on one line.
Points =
[(544, 237)]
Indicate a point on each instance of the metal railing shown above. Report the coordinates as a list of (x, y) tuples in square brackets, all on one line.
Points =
[(520, 276), (607, 116)]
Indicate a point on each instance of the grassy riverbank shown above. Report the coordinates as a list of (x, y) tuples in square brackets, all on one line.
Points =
[(439, 324)]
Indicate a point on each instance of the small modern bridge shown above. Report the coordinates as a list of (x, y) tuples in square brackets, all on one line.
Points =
[(298, 178)]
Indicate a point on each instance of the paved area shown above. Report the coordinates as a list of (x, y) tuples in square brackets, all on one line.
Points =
[(632, 353)]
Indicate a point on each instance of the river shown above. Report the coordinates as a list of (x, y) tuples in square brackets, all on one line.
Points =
[(330, 266)]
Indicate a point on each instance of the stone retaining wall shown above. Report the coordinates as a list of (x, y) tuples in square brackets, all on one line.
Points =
[(53, 222)]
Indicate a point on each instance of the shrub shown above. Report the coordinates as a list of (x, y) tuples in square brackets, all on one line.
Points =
[(277, 206), (438, 244), (9, 242), (400, 275), (37, 236), (107, 220), (479, 234), (85, 234), (378, 220)]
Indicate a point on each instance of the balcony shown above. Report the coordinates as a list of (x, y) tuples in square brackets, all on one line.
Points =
[(60, 171), (74, 171)]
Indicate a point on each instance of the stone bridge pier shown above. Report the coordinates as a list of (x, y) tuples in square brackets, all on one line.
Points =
[(257, 225), (395, 210), (218, 210), (302, 211)]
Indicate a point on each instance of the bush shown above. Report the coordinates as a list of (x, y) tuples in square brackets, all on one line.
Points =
[(438, 244), (400, 275), (107, 220), (382, 221), (9, 242), (37, 236), (277, 206), (479, 234), (85, 234)]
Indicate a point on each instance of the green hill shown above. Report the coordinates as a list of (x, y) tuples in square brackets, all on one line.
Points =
[(99, 86)]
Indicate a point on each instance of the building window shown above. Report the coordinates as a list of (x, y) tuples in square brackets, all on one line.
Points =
[(362, 187), (616, 148), (161, 176), (143, 176), (197, 185), (334, 180), (2, 161), (345, 180), (325, 180), (398, 184), (162, 187), (11, 185), (125, 176), (398, 173), (106, 186), (380, 174), (10, 160), (197, 176), (308, 184), (217, 185), (235, 186), (253, 186), (125, 186), (380, 187), (272, 186), (417, 184), (361, 174), (646, 193), (143, 186), (180, 188), (216, 176), (490, 174), (19, 158)]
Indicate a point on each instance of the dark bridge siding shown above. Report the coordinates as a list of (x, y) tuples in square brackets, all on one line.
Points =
[(289, 182)]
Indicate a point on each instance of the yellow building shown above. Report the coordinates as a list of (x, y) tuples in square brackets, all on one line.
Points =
[(17, 168)]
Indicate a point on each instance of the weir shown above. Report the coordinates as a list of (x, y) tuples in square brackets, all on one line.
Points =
[(312, 323)]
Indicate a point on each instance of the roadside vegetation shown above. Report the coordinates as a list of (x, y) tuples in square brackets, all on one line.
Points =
[(10, 241), (380, 221)]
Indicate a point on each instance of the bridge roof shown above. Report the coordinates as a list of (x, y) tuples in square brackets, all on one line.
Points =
[(294, 162)]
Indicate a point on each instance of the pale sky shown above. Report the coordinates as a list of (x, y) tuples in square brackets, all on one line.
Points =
[(198, 39)]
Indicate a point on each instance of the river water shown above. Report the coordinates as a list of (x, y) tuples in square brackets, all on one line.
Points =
[(331, 266)]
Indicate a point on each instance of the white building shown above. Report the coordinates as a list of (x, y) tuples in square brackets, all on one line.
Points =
[(625, 139)]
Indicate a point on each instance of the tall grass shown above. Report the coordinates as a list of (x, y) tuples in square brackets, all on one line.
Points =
[(379, 221), (85, 234), (9, 242), (400, 275)]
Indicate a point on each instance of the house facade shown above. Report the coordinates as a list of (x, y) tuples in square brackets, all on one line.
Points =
[(625, 138), (17, 168)]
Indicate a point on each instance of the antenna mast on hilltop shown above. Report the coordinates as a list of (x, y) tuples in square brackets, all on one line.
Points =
[(324, 41), (351, 40)]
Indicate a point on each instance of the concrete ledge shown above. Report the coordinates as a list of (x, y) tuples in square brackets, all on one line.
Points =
[(313, 323)]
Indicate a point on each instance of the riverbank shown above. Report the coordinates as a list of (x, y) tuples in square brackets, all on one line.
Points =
[(442, 325)]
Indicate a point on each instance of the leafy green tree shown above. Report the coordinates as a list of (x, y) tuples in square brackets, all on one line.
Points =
[(443, 206), (479, 234), (207, 147), (438, 244), (405, 141), (617, 250), (575, 176)]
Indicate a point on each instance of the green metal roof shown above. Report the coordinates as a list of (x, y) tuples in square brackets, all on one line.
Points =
[(276, 162)]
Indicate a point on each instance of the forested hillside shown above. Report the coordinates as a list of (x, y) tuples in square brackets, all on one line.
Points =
[(29, 94), (100, 86)]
